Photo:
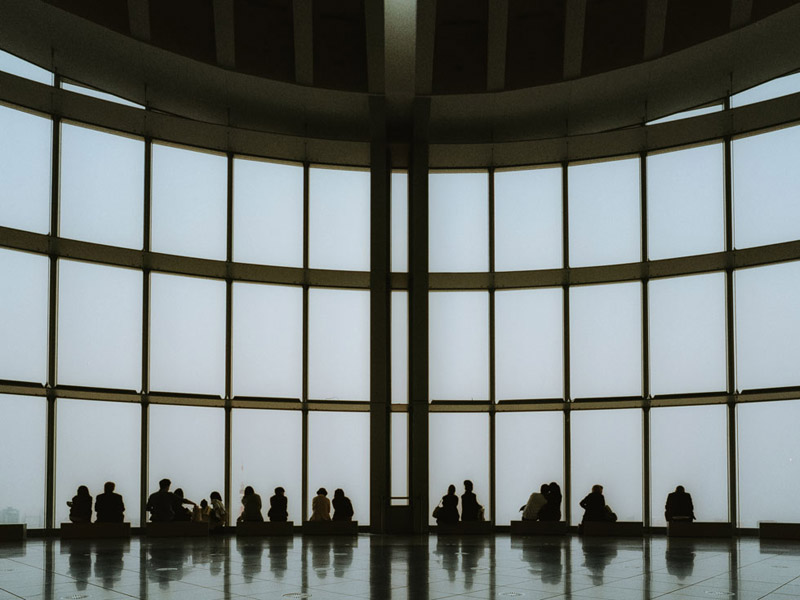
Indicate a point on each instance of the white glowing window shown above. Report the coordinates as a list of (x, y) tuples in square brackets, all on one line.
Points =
[(98, 442), (528, 219), (267, 340), (606, 340), (399, 193), (338, 457), (22, 68), (529, 344), (768, 326), (400, 347), (187, 334), (339, 219), (25, 170), (607, 450), (685, 202), (88, 91), (689, 447), (688, 348), (459, 345), (604, 213), (102, 187), (459, 222), (267, 213), (518, 435), (781, 86), (189, 205), (338, 344), (267, 453), (23, 316), (458, 449), (399, 486), (99, 325)]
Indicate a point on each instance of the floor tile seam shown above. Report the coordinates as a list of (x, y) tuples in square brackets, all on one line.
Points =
[(12, 593)]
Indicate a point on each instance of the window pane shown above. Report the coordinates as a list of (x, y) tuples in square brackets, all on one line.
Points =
[(530, 452), (190, 208), (267, 213), (23, 324), (187, 334), (399, 222), (529, 338), (399, 454), (528, 213), (768, 453), (459, 221), (23, 427), (606, 340), (187, 445), (99, 325), (766, 184), (102, 187), (607, 450), (88, 91), (267, 453), (459, 345), (22, 68), (689, 447), (267, 340), (782, 86), (400, 347), (338, 344), (459, 450), (687, 114), (604, 213), (25, 164), (98, 442), (338, 457), (688, 349), (339, 219), (685, 202), (768, 326)]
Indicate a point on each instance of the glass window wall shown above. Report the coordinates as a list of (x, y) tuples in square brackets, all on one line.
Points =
[(399, 233), (400, 347)]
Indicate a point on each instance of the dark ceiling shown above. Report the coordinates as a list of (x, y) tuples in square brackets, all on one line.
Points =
[(531, 42)]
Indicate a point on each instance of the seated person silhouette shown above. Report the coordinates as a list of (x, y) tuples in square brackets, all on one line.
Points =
[(536, 502), (321, 506), (342, 507), (470, 509), (278, 503), (202, 513), (595, 507), (552, 510), (108, 505), (80, 507), (179, 503), (448, 512), (217, 515), (679, 506), (161, 504), (251, 506)]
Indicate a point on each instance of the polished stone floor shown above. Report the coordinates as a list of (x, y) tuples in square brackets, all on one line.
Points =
[(397, 567)]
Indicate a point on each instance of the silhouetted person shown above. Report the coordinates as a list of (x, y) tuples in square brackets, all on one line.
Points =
[(552, 510), (594, 505), (161, 504), (202, 513), (217, 515), (536, 502), (342, 507), (278, 506), (448, 513), (109, 505), (80, 507), (321, 506), (470, 509), (179, 503), (251, 504), (679, 506)]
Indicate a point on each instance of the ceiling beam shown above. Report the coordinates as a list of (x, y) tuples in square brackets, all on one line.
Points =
[(374, 20), (139, 19), (304, 42), (573, 38), (741, 13), (224, 33), (654, 28), (426, 42), (498, 40)]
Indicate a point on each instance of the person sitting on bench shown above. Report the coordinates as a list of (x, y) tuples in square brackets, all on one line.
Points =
[(552, 510), (342, 507), (251, 503), (595, 507), (536, 502), (278, 503), (679, 506), (109, 506), (470, 509), (321, 506), (161, 504), (80, 507), (179, 510)]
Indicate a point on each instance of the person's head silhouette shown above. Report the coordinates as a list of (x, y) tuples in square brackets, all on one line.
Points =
[(322, 492), (109, 487), (164, 484), (451, 490), (339, 493), (468, 485), (279, 491), (249, 491), (216, 496)]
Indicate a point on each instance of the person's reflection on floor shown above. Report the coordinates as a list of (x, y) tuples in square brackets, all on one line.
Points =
[(470, 559), (108, 564), (680, 558), (342, 558), (251, 550), (597, 556), (447, 550), (544, 559), (80, 563), (200, 552), (320, 556), (278, 556), (219, 548), (165, 563)]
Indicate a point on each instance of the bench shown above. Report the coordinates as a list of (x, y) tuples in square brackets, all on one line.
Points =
[(264, 528), (89, 531), (177, 529), (613, 529), (330, 528), (698, 529), (13, 532), (465, 528), (538, 527), (778, 531)]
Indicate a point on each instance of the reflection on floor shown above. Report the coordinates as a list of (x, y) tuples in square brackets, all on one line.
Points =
[(408, 568)]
